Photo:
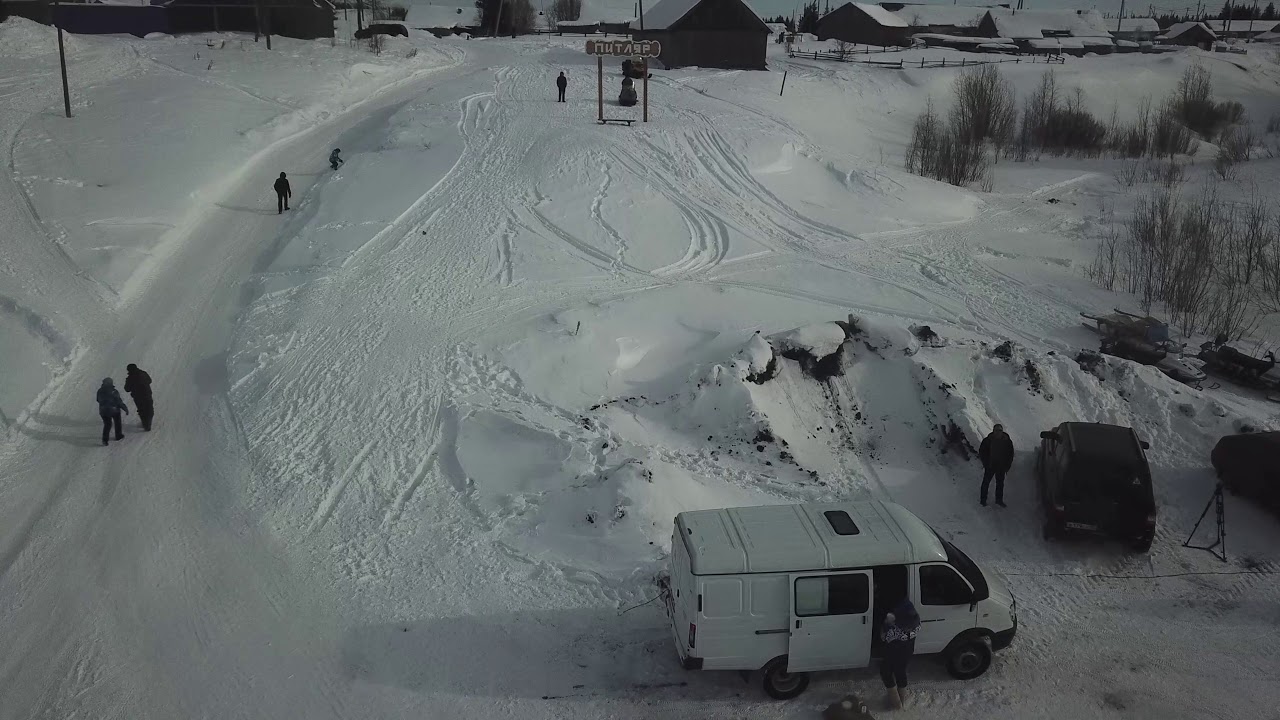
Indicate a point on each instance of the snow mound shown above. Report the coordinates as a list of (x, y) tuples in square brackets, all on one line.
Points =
[(818, 340), (23, 39)]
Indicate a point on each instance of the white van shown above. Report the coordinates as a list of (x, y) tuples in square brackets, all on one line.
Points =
[(790, 589)]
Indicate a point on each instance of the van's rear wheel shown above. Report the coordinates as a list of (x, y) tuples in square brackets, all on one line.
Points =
[(780, 684), (969, 659)]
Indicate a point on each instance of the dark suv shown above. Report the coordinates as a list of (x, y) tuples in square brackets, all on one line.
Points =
[(1094, 479)]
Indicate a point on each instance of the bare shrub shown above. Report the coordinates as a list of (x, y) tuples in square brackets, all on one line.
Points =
[(1062, 128), (1105, 269), (935, 151), (1128, 172), (1234, 145), (1168, 174), (984, 107), (1169, 136), (843, 48), (1273, 123), (1196, 107), (923, 147), (1133, 139)]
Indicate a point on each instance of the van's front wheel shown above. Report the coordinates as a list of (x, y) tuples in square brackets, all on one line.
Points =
[(780, 684), (969, 659)]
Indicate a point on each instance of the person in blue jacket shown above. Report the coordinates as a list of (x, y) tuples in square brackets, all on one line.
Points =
[(334, 160), (109, 407)]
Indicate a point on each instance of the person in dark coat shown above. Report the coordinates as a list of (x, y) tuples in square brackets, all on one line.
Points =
[(996, 454), (335, 159), (562, 82), (138, 384), (283, 193), (109, 407), (899, 634)]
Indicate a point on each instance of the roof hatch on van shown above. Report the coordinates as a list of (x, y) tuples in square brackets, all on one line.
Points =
[(841, 522)]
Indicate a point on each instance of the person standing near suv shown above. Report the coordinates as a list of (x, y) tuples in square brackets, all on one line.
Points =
[(996, 454)]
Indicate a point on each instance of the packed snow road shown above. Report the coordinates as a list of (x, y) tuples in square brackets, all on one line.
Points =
[(420, 440)]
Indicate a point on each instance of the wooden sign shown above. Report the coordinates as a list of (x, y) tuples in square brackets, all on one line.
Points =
[(624, 48)]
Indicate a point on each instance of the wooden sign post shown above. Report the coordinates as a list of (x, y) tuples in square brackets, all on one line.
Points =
[(622, 48)]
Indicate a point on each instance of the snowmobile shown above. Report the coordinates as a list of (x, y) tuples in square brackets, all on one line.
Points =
[(1185, 370), (1121, 324), (1226, 360)]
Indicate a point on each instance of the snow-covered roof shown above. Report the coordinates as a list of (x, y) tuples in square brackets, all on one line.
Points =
[(1259, 26), (789, 538), (1128, 44), (669, 12), (1053, 43), (1029, 24), (431, 15), (1182, 27), (1138, 25), (955, 39), (880, 15), (927, 15), (1269, 37), (577, 23)]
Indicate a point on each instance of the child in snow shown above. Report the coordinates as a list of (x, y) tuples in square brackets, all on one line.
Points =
[(109, 407), (900, 627), (334, 160)]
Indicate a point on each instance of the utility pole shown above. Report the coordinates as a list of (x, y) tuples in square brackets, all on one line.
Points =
[(498, 21), (1249, 39), (359, 14), (62, 61), (1226, 26), (1121, 18)]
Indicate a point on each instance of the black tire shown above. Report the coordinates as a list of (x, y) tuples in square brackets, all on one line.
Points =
[(780, 684), (969, 658), (1143, 544)]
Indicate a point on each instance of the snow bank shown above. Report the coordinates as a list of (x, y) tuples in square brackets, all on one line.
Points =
[(818, 340), (23, 39)]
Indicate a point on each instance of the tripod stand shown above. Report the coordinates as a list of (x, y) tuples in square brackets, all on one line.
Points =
[(1219, 546)]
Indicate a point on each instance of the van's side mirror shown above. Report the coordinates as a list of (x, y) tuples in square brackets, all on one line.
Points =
[(1145, 445), (1050, 435)]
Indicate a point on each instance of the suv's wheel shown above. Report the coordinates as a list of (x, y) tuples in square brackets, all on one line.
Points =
[(969, 658), (1143, 544), (780, 684)]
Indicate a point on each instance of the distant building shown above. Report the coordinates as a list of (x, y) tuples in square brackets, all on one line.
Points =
[(957, 20), (1068, 32), (1241, 28), (303, 19), (863, 24), (705, 33), (1135, 29), (1189, 34), (441, 19)]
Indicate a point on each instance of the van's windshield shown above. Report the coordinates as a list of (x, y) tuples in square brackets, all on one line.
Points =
[(967, 568)]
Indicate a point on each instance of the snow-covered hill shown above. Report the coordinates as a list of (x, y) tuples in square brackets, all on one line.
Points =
[(420, 440)]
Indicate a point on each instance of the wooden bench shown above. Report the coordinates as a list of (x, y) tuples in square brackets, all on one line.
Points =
[(606, 121)]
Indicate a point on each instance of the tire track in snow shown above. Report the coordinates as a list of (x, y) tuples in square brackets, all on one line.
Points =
[(325, 511)]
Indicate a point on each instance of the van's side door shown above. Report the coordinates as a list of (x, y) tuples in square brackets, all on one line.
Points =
[(945, 606), (830, 621)]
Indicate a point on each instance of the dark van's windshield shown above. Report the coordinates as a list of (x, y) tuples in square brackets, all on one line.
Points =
[(967, 568)]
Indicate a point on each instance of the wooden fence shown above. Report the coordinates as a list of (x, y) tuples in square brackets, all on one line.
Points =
[(924, 63)]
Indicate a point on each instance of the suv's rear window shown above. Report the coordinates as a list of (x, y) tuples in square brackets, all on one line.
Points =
[(841, 522)]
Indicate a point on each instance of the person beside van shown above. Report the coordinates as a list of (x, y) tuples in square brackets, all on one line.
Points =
[(900, 627), (996, 454)]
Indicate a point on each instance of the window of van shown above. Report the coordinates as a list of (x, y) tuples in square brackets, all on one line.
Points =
[(940, 585), (833, 595), (722, 598)]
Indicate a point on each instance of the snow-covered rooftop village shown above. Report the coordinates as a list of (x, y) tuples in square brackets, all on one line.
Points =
[(639, 359)]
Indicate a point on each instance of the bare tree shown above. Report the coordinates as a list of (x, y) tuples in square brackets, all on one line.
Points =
[(564, 10), (984, 108)]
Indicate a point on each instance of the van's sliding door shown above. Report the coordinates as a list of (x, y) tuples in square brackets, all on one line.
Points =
[(830, 621)]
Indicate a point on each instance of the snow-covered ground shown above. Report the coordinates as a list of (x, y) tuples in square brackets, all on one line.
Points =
[(419, 441)]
